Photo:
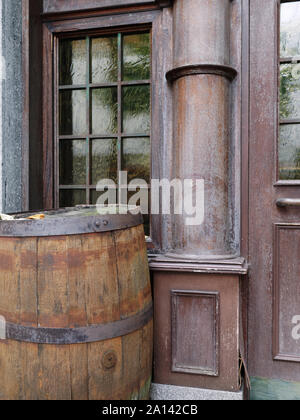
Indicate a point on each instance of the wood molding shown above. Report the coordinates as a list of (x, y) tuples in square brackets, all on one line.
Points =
[(68, 10), (195, 353), (231, 266), (195, 69)]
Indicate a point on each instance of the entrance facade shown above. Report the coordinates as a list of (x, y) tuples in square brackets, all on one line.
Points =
[(177, 89)]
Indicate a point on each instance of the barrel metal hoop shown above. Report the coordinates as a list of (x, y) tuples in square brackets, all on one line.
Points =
[(90, 334), (68, 226)]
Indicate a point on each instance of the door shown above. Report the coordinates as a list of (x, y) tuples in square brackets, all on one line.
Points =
[(274, 199)]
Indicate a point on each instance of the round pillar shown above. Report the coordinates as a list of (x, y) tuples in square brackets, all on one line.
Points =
[(201, 80)]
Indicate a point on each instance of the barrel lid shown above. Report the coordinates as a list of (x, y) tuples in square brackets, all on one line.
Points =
[(72, 221)]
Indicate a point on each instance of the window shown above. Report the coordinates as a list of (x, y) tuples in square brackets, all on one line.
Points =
[(289, 110), (103, 124), (106, 105)]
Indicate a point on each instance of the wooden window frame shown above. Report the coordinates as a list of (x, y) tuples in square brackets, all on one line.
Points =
[(88, 87), (52, 30)]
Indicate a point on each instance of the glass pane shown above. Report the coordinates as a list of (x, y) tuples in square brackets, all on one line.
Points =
[(289, 91), (72, 160), (290, 29), (104, 160), (94, 196), (289, 152), (136, 110), (105, 111), (72, 118), (73, 62), (146, 217), (136, 158), (71, 198), (105, 59), (136, 56)]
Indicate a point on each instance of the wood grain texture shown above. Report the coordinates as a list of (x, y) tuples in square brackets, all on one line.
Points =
[(58, 6), (69, 282), (227, 286)]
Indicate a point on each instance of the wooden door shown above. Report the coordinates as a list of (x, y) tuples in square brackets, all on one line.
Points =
[(274, 199)]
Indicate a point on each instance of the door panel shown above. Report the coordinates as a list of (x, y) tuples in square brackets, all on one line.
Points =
[(274, 226), (286, 292)]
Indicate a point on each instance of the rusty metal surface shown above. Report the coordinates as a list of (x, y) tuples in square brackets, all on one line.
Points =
[(89, 334), (69, 221)]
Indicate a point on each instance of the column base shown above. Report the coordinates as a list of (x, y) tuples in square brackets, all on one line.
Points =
[(171, 392)]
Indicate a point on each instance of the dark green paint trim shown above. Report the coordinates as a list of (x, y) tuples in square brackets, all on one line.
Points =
[(274, 390)]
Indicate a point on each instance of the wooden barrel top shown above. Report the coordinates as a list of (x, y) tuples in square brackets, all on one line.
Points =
[(69, 221)]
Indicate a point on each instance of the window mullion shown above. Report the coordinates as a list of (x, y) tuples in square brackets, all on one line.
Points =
[(119, 112), (88, 116)]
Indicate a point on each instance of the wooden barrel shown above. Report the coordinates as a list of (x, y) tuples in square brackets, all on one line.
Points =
[(76, 298)]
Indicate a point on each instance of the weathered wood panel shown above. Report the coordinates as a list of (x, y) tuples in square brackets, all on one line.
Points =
[(70, 282), (195, 332), (55, 6), (228, 288)]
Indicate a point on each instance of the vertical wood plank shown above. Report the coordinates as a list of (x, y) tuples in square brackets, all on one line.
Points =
[(104, 383), (53, 312), (78, 354), (133, 273), (10, 357)]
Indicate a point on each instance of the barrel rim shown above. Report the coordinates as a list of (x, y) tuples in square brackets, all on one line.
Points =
[(66, 226)]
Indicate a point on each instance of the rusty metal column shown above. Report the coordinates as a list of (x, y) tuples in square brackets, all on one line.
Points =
[(201, 80)]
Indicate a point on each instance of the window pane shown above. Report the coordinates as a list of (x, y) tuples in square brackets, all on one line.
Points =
[(72, 156), (105, 111), (289, 152), (71, 198), (94, 195), (105, 59), (72, 62), (290, 91), (146, 217), (104, 160), (72, 118), (136, 158), (136, 110), (290, 29), (136, 56)]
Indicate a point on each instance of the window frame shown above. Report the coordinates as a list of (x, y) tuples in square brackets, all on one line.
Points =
[(120, 136), (53, 30)]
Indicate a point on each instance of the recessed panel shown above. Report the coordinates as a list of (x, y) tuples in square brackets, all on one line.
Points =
[(287, 292), (195, 337)]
